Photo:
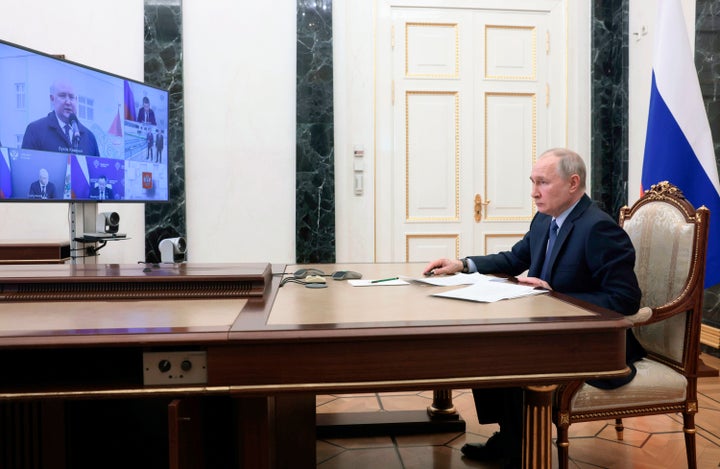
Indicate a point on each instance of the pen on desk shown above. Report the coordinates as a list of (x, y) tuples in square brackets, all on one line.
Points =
[(383, 280)]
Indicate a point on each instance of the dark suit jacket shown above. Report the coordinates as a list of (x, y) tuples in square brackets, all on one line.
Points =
[(35, 191), (95, 193), (593, 260), (45, 134), (146, 117)]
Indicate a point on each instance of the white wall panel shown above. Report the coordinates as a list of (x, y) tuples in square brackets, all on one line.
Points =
[(431, 50), (510, 52), (510, 140), (432, 156), (425, 247)]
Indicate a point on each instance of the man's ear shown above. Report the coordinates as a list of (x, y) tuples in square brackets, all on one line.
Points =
[(574, 183)]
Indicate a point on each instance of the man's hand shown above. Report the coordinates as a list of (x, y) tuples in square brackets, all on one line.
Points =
[(535, 282), (443, 267)]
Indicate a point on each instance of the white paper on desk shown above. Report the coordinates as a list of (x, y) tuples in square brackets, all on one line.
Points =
[(489, 292), (453, 280), (369, 283)]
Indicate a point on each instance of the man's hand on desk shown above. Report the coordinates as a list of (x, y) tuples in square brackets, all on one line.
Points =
[(533, 281), (453, 266), (443, 267)]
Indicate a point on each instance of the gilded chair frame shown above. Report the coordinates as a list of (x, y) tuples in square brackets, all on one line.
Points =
[(689, 301)]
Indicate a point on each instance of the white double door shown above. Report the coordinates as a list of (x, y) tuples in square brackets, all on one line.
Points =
[(477, 92)]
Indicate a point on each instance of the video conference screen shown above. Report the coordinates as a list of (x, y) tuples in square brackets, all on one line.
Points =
[(73, 133)]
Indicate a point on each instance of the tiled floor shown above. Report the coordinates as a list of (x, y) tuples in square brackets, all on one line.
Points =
[(650, 442)]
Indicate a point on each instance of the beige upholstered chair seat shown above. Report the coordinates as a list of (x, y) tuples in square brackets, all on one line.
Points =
[(654, 384)]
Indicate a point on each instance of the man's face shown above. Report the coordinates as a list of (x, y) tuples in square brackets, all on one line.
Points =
[(64, 101), (102, 183), (552, 194), (43, 177)]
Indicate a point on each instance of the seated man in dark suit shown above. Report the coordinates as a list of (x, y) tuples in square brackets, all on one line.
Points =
[(145, 114), (101, 191), (60, 130), (42, 188), (572, 247)]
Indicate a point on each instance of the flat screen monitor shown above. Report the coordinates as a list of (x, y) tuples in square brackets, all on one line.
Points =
[(72, 133)]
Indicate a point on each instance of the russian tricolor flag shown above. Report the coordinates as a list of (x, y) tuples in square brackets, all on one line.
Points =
[(679, 145)]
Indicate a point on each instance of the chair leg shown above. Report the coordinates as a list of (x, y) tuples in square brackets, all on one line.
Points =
[(563, 446), (619, 429), (689, 431)]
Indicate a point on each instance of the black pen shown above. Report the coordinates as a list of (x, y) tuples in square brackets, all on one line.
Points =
[(383, 280)]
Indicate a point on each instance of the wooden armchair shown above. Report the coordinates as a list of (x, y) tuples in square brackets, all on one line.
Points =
[(670, 239)]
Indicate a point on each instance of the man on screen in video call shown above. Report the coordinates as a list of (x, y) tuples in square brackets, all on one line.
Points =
[(42, 188), (592, 259), (61, 131), (101, 191), (145, 114)]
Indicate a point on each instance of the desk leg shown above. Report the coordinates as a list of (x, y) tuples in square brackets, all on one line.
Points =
[(537, 430), (442, 406), (277, 432)]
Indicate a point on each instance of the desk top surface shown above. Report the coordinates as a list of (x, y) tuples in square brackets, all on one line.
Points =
[(290, 309), (342, 304)]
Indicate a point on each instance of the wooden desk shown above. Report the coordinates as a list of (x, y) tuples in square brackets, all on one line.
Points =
[(274, 353)]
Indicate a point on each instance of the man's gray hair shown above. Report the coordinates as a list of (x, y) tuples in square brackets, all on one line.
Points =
[(569, 163)]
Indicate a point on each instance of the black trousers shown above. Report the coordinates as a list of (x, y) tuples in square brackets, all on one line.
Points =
[(505, 407)]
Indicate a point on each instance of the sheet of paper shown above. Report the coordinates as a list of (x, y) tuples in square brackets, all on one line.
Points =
[(369, 283), (453, 280), (488, 292)]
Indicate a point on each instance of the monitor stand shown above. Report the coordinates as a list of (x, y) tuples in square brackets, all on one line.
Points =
[(82, 219)]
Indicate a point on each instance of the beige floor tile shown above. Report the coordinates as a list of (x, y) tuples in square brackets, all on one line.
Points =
[(351, 404), (431, 439), (422, 457), (386, 458), (362, 442), (405, 402)]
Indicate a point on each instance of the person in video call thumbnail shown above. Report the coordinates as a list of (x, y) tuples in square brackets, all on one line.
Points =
[(60, 130), (42, 188), (145, 114), (101, 191), (159, 143), (150, 141)]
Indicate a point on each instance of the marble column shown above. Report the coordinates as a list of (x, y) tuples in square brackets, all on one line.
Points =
[(315, 152), (609, 115), (163, 68)]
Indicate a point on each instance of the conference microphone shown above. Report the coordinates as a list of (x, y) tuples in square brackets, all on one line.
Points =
[(75, 129)]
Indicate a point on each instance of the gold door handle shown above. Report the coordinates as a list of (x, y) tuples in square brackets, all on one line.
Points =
[(479, 204)]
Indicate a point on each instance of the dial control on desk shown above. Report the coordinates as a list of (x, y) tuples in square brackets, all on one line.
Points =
[(166, 368)]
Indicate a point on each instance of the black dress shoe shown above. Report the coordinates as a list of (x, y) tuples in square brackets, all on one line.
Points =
[(494, 449)]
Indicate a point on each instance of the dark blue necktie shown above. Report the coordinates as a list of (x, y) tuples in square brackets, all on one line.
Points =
[(551, 242)]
